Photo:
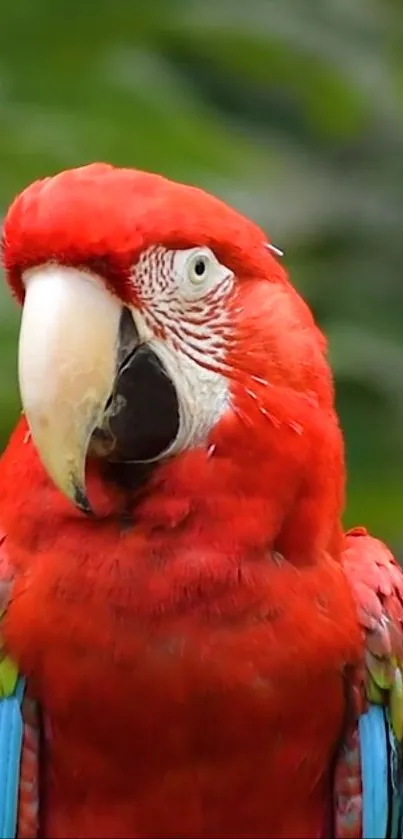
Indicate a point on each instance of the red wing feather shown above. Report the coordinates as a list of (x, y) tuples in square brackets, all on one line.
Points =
[(377, 582)]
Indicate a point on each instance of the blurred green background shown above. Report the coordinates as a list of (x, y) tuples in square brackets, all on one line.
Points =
[(292, 110)]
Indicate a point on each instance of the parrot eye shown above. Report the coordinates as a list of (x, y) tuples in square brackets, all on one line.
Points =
[(198, 270)]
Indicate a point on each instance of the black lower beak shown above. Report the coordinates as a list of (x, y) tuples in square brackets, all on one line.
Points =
[(141, 419)]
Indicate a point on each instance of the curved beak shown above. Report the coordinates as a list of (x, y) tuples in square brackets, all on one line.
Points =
[(68, 357)]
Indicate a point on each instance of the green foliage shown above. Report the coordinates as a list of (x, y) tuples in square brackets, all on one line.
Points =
[(292, 111)]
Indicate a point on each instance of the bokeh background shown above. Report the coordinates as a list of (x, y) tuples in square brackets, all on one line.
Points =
[(292, 110)]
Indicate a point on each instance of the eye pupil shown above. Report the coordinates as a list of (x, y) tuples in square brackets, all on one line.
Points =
[(199, 267)]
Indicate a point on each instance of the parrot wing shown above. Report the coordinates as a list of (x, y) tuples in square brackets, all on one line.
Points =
[(368, 776), (368, 782), (19, 736)]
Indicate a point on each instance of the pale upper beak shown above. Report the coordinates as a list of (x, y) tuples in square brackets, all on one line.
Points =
[(68, 355), (89, 382)]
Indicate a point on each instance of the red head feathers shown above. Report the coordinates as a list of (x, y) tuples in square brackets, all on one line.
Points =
[(238, 343)]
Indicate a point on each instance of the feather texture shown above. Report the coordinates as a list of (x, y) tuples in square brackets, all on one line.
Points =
[(377, 584), (196, 649)]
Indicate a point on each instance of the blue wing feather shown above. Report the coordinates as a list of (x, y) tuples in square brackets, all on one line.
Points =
[(11, 738)]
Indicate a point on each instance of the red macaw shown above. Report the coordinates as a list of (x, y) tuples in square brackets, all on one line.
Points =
[(201, 637)]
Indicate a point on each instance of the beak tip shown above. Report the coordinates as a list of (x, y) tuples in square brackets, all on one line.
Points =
[(81, 500)]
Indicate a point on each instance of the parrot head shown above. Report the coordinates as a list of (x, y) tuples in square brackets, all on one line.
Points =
[(156, 321)]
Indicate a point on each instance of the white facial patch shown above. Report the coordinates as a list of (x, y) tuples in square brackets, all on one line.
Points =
[(184, 318)]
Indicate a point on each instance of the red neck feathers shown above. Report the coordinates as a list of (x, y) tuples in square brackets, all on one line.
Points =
[(172, 644)]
